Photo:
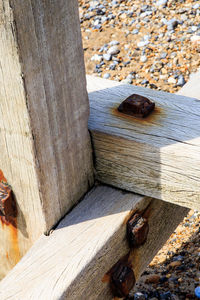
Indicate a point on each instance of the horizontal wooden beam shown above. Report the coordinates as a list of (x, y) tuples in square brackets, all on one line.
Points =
[(157, 156), (71, 262)]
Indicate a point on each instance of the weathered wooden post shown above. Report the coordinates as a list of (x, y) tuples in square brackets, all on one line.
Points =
[(45, 147)]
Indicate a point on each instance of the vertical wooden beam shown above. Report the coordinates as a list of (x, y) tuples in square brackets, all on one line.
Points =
[(44, 140)]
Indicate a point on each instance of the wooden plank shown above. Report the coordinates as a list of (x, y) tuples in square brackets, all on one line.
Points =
[(158, 156), (71, 262), (45, 145)]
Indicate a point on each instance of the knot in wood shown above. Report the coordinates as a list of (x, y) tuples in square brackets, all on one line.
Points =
[(137, 230), (137, 105)]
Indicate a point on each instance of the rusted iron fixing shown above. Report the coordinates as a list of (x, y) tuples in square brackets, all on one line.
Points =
[(137, 230), (7, 203), (122, 279), (137, 106)]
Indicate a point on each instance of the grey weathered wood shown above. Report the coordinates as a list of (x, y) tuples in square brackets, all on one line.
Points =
[(45, 145), (158, 156), (71, 262)]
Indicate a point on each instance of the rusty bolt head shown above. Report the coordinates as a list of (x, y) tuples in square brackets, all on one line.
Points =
[(137, 230), (7, 203), (136, 105), (122, 279)]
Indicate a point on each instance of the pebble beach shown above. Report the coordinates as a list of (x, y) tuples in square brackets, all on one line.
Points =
[(154, 44)]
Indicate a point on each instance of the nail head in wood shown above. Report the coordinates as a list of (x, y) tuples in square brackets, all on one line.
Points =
[(136, 105), (7, 203), (122, 279), (137, 230)]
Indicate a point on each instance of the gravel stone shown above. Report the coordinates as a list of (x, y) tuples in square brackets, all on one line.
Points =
[(162, 3), (142, 44), (163, 55), (172, 80), (106, 76), (145, 81), (143, 58), (112, 67), (181, 81), (172, 24), (107, 56), (113, 50), (135, 31), (96, 57), (139, 296), (114, 43), (165, 32)]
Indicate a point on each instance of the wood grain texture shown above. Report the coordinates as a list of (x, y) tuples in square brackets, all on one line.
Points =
[(158, 156), (54, 79), (45, 145), (71, 262)]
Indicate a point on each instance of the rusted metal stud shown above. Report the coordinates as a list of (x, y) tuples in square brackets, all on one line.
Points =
[(122, 279), (137, 230), (137, 105), (7, 203)]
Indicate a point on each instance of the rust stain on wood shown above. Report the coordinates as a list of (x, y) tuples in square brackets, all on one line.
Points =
[(150, 120), (10, 225), (130, 214), (9, 222), (2, 178)]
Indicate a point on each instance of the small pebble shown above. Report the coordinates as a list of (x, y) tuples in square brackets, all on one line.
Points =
[(181, 81), (106, 75), (153, 279), (127, 81), (113, 50), (96, 57), (143, 58), (135, 31), (107, 56), (142, 43), (172, 24), (163, 55), (194, 28), (162, 3), (114, 43), (145, 81), (174, 264), (112, 67), (172, 80), (139, 296)]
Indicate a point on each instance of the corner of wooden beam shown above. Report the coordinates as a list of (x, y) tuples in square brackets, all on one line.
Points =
[(156, 156)]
